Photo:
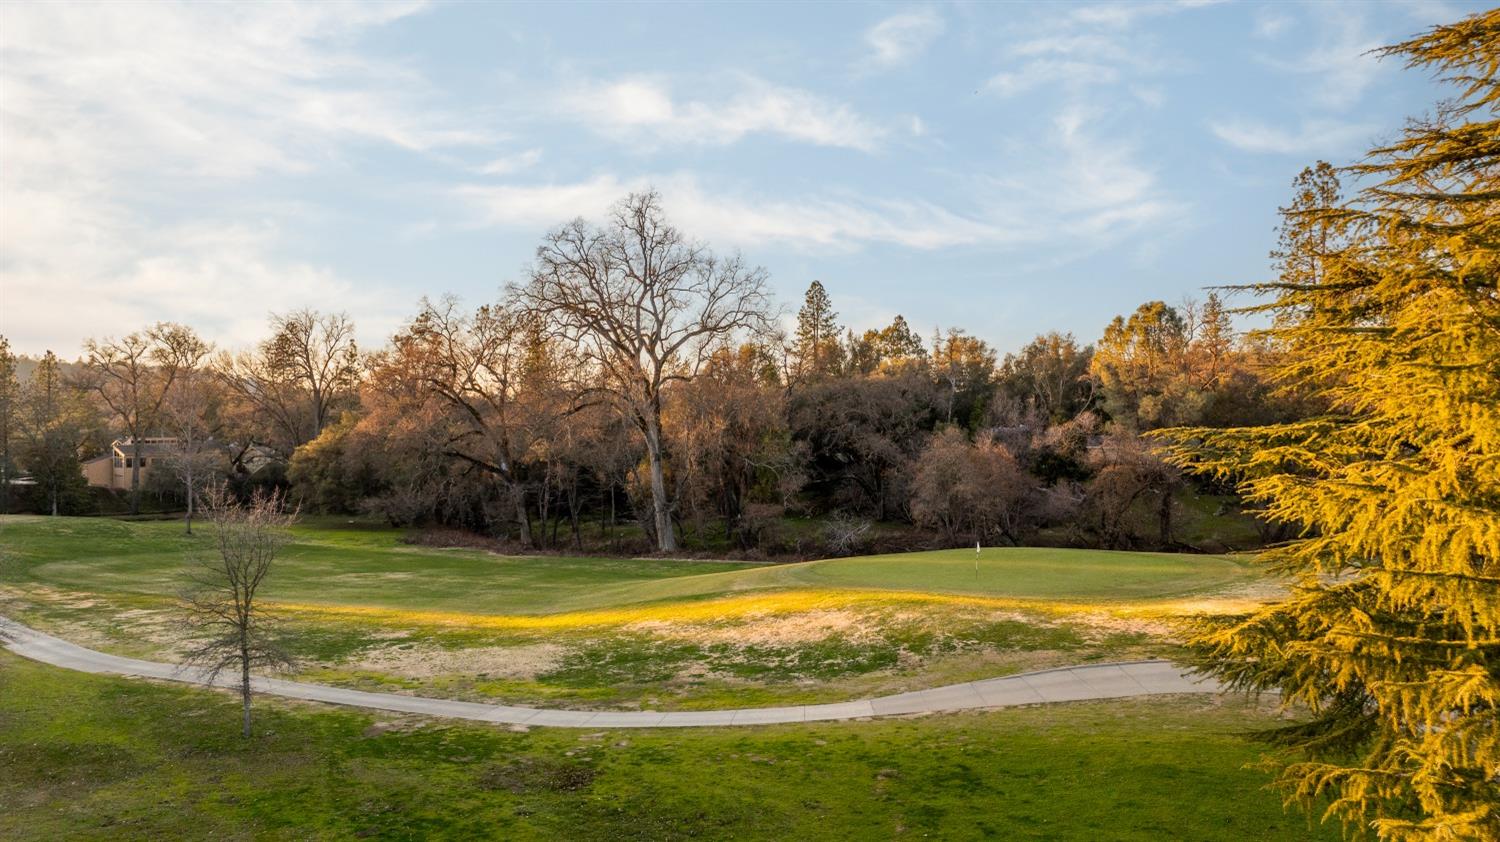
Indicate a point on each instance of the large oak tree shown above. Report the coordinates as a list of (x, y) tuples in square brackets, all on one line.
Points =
[(645, 307)]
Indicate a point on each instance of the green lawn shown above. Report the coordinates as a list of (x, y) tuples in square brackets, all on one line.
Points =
[(1018, 572), (335, 564), (90, 757), (369, 611), (330, 563)]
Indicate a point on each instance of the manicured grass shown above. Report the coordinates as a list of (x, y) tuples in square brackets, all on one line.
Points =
[(91, 757), (330, 565), (366, 610), (1021, 572)]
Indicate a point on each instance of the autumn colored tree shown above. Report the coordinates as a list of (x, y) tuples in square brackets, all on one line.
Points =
[(297, 381), (893, 348), (1136, 362), (964, 368), (1050, 375), (1387, 310), (133, 376)]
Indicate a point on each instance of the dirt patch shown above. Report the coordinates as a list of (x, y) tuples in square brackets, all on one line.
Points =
[(514, 662), (530, 775)]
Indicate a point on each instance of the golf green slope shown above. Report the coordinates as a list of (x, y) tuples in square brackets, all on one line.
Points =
[(335, 564)]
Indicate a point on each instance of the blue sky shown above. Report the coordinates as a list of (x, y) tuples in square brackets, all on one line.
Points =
[(1004, 168)]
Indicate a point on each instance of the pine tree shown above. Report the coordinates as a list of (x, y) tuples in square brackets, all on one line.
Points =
[(54, 419), (1387, 310), (898, 346), (817, 351)]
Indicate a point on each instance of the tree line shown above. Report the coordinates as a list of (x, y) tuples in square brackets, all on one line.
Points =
[(638, 389)]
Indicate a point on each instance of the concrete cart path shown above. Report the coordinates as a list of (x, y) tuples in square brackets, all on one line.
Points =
[(1067, 684)]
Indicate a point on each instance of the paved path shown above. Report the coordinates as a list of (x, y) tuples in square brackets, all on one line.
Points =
[(1096, 681)]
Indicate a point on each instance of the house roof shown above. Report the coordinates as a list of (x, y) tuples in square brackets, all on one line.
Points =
[(149, 446)]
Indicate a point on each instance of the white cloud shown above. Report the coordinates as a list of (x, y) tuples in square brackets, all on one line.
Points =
[(1121, 14), (1075, 75), (900, 38), (1314, 137), (113, 111), (508, 164), (726, 218), (1341, 67), (1269, 24), (640, 108), (1075, 187)]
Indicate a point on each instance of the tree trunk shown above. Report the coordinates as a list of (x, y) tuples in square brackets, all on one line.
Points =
[(523, 517), (666, 537), (245, 690), (189, 499), (1164, 517)]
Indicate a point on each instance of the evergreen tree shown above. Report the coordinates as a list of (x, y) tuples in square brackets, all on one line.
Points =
[(1214, 342), (1387, 309), (54, 427), (817, 351)]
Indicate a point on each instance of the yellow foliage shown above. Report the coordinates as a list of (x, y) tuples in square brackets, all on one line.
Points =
[(1392, 637)]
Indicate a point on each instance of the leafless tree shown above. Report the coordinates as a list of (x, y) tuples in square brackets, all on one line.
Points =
[(1126, 471), (234, 631), (134, 375), (844, 533), (189, 414), (645, 307), (297, 380), (495, 374)]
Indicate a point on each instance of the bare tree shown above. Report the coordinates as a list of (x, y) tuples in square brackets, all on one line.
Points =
[(235, 631), (494, 374), (133, 377), (297, 380), (189, 414), (975, 489), (645, 307)]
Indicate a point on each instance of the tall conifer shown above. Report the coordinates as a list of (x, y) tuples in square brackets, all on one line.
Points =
[(817, 350), (1387, 310)]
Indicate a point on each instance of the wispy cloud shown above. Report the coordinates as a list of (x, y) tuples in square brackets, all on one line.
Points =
[(1270, 23), (113, 110), (1081, 187), (828, 222), (1340, 67), (507, 164), (1124, 14), (900, 38), (641, 108), (1074, 75), (1314, 137)]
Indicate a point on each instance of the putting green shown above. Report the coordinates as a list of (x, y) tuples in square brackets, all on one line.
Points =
[(340, 564)]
